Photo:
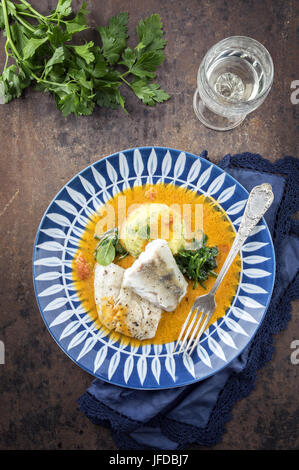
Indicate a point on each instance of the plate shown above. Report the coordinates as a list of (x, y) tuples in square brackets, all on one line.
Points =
[(148, 366)]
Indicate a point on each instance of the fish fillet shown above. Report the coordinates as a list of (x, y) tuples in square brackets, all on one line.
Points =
[(120, 308), (156, 277)]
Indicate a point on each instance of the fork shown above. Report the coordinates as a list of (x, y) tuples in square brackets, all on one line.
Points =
[(259, 201)]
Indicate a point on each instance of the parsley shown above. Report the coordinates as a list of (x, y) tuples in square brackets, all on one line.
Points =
[(82, 76), (199, 263)]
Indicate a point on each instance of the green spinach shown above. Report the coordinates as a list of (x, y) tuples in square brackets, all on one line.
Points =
[(199, 263)]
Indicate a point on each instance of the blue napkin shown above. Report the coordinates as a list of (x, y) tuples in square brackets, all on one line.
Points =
[(197, 413)]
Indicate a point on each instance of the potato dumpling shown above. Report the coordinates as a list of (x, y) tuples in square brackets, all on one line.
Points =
[(149, 222)]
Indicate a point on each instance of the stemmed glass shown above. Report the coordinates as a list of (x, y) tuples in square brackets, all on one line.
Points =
[(233, 80)]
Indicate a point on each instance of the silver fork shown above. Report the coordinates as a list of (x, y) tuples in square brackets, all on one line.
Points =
[(259, 201)]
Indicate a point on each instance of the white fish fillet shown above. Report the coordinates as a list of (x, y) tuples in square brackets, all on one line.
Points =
[(127, 313), (156, 277), (107, 281)]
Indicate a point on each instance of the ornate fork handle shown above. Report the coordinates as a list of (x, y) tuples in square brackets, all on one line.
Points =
[(259, 201)]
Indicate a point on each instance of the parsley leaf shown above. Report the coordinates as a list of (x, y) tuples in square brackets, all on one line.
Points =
[(85, 52), (31, 46), (68, 104), (73, 27), (143, 61), (57, 58), (150, 34), (114, 37), (63, 8), (147, 64), (57, 36), (80, 18), (149, 93), (128, 58), (12, 83)]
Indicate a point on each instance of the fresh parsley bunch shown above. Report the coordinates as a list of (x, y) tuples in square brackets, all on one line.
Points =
[(79, 76)]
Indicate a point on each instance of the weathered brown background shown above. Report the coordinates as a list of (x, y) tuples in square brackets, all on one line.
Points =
[(40, 151)]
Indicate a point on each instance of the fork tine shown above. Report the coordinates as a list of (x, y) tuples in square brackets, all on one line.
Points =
[(183, 328), (185, 339), (195, 331), (186, 332), (200, 333)]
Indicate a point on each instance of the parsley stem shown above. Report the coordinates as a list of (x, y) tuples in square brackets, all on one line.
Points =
[(125, 73), (24, 13), (7, 29), (24, 23), (125, 81), (10, 43), (7, 56), (36, 13), (39, 80)]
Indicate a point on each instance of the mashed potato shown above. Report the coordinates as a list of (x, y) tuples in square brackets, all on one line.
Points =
[(149, 222)]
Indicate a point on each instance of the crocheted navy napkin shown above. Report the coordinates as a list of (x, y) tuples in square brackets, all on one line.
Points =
[(197, 413)]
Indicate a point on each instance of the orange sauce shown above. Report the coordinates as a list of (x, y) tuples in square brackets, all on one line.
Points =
[(220, 233)]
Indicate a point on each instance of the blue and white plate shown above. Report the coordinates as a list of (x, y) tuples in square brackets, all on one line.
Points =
[(149, 366)]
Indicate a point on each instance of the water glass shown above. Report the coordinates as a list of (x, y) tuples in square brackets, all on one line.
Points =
[(233, 80)]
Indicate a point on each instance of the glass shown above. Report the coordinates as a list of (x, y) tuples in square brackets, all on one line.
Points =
[(233, 80)]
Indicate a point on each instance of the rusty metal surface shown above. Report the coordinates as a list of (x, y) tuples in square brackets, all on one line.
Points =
[(40, 151)]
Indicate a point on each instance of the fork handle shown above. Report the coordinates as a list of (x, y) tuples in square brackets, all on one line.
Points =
[(259, 201)]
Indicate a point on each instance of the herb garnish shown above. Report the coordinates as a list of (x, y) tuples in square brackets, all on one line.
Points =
[(79, 76), (144, 232), (198, 264), (109, 247)]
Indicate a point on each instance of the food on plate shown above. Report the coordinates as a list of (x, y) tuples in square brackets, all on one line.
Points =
[(107, 282), (83, 267), (120, 308), (150, 193), (147, 222), (197, 259), (109, 247), (156, 277)]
